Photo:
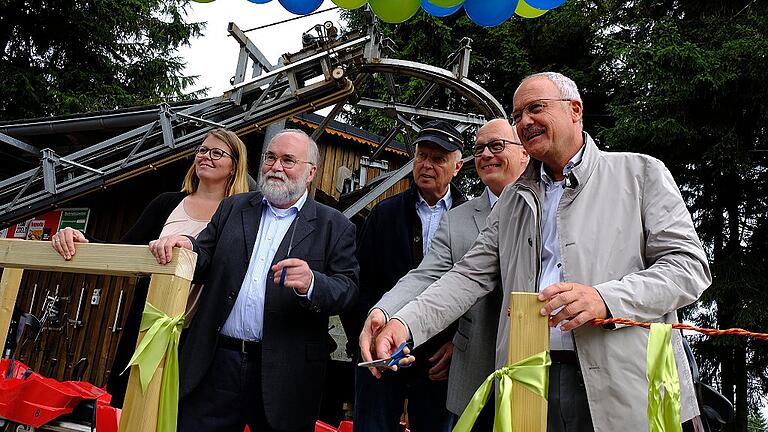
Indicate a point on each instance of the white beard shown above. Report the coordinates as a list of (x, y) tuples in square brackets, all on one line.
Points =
[(281, 193)]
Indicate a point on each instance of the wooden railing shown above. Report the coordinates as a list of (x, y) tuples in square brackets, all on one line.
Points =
[(168, 291)]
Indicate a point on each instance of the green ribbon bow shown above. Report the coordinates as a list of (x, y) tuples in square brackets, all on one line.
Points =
[(532, 373), (663, 381), (161, 340)]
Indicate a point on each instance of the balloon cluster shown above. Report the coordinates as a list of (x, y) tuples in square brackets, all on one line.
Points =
[(487, 13)]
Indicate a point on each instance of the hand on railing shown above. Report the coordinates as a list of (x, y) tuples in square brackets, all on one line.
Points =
[(162, 248), (63, 242)]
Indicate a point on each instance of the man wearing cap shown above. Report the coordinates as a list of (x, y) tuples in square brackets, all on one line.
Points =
[(396, 236)]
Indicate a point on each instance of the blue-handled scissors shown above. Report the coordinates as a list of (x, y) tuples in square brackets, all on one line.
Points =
[(390, 361)]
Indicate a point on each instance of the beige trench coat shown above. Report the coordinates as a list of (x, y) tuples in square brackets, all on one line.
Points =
[(625, 230)]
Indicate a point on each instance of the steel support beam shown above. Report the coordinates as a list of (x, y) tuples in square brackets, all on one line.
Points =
[(379, 189), (21, 145), (470, 119)]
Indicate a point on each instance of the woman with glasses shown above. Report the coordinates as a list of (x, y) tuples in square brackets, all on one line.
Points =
[(220, 169)]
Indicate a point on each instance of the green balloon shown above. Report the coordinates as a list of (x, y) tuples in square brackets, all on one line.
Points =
[(394, 11), (349, 4), (446, 3)]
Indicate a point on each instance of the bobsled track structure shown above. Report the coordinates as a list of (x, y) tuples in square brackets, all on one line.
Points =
[(328, 72)]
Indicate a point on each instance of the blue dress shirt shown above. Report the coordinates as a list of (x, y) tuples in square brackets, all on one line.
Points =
[(430, 217), (551, 265), (246, 321)]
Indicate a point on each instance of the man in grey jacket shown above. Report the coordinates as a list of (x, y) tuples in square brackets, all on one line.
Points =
[(499, 161), (597, 234)]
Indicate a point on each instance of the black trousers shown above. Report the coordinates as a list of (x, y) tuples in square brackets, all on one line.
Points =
[(567, 408), (228, 397)]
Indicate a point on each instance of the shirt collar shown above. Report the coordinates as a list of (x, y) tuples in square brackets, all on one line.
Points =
[(446, 200), (294, 209), (575, 160), (492, 198)]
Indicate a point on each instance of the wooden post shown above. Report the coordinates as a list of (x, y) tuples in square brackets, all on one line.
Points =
[(169, 294), (528, 335), (9, 288)]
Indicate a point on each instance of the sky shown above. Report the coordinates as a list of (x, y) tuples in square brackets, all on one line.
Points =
[(213, 56)]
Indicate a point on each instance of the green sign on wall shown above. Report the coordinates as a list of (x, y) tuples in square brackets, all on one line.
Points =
[(76, 218)]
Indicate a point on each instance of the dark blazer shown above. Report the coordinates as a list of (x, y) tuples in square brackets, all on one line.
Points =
[(390, 245), (294, 340)]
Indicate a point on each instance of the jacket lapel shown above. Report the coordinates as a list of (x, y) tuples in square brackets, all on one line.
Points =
[(251, 220), (304, 224), (480, 216)]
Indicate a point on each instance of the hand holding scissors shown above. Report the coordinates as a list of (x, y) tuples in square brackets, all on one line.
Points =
[(402, 352)]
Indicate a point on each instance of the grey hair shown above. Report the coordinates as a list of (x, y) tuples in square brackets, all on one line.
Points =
[(568, 88), (313, 153)]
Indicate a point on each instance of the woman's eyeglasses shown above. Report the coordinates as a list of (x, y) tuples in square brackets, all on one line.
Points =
[(215, 153)]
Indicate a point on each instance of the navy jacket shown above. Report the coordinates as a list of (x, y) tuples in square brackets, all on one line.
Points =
[(389, 246)]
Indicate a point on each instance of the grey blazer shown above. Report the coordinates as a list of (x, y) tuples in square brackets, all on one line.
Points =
[(474, 342)]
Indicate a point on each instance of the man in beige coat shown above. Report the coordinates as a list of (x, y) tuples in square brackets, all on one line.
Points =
[(598, 235)]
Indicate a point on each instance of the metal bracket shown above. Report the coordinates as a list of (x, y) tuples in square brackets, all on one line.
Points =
[(379, 189), (48, 165)]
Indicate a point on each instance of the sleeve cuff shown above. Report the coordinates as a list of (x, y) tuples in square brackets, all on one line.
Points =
[(410, 335), (386, 315), (308, 295)]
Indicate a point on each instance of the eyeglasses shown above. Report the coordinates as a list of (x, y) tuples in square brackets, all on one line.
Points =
[(434, 159), (287, 162), (535, 107), (215, 153), (496, 146)]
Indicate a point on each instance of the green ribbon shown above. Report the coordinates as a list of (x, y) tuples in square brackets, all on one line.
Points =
[(663, 381), (532, 373), (160, 341)]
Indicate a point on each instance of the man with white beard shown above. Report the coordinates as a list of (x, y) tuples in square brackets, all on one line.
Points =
[(275, 265)]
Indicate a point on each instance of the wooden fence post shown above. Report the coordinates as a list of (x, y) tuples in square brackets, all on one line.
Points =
[(169, 294), (528, 335)]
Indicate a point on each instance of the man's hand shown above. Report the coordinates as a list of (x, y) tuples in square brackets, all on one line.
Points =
[(297, 276), (442, 362), (373, 324), (64, 241), (162, 248), (581, 304), (389, 339)]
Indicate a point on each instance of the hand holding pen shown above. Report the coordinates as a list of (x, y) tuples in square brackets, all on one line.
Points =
[(293, 272)]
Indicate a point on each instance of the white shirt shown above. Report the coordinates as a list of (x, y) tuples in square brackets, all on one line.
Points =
[(492, 198)]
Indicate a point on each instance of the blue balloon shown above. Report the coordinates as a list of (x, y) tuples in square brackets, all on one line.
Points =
[(490, 13), (301, 7), (544, 4), (437, 10), (260, 1)]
